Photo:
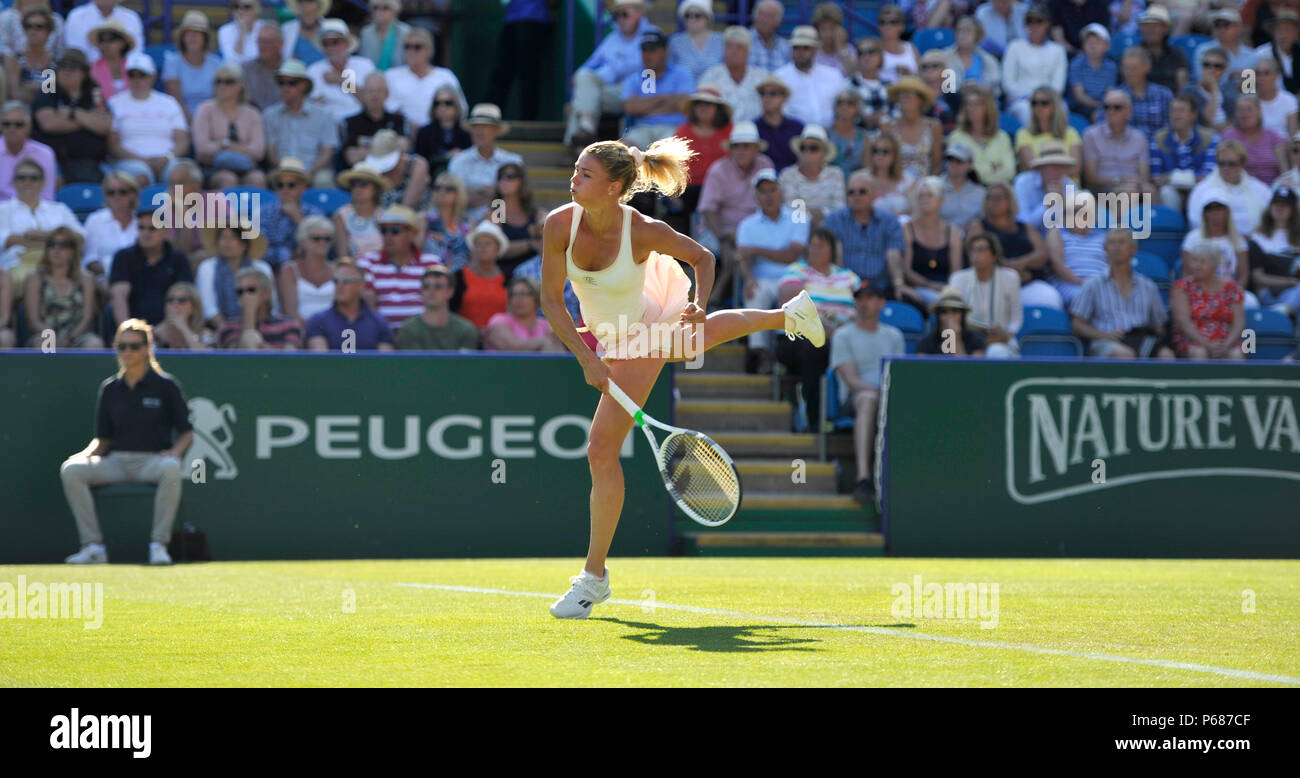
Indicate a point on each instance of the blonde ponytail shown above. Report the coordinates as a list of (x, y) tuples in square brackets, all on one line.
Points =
[(662, 167)]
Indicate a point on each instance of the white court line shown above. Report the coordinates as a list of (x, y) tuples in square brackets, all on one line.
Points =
[(1228, 672)]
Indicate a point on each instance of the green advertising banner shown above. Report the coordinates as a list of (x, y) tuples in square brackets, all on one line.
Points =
[(305, 456), (1066, 458)]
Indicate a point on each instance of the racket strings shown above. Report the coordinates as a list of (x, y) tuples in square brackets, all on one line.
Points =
[(702, 478)]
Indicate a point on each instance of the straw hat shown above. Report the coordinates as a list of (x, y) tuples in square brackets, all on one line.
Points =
[(1052, 152), (744, 132), (488, 227), (330, 27), (1282, 15), (289, 166), (324, 7), (293, 68), (950, 299), (112, 25), (385, 151), (805, 35), (1158, 14), (399, 214), (772, 79), (195, 20), (708, 93), (911, 84), (817, 133), (363, 172), (486, 113)]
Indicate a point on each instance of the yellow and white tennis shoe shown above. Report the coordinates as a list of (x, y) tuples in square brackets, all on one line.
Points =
[(586, 590), (802, 320)]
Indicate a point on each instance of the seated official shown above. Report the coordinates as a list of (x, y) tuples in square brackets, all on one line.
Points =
[(142, 429), (349, 324)]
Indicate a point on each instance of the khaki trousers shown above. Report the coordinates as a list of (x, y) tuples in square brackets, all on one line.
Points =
[(80, 473)]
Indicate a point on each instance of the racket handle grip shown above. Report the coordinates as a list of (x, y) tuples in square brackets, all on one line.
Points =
[(622, 399)]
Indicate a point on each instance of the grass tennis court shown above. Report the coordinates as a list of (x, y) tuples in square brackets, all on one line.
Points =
[(673, 622)]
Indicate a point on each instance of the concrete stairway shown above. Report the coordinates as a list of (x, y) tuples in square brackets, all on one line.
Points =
[(790, 503)]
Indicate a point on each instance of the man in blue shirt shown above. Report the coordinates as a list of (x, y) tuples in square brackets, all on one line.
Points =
[(598, 82), (349, 325), (766, 243), (871, 240), (652, 100), (1182, 154)]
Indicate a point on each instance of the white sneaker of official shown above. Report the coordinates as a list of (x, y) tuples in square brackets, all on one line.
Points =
[(158, 554), (586, 590), (91, 554)]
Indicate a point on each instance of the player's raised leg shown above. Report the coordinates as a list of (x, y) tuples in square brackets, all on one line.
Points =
[(798, 316), (609, 428)]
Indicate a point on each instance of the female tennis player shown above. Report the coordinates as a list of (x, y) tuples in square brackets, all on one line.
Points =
[(634, 300)]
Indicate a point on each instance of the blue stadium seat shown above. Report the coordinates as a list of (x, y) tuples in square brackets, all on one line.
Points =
[(267, 197), (1166, 219), (1153, 267), (328, 200), (837, 416), (1118, 43), (1009, 124), (1046, 333), (1080, 123), (1274, 333), (158, 53), (1168, 249), (1188, 43), (907, 319), (147, 194), (83, 199), (933, 38)]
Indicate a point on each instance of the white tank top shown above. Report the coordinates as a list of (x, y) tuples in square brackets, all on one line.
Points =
[(618, 290), (314, 299)]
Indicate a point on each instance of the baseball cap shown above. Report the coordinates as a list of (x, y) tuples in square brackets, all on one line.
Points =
[(138, 60), (1285, 194), (871, 288), (766, 174), (653, 37), (959, 151), (1095, 29)]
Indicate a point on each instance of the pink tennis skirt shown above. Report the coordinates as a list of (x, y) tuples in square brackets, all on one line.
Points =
[(658, 333)]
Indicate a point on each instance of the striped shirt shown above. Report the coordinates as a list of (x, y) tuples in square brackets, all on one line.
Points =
[(277, 332), (1085, 255), (831, 292), (1151, 111), (1168, 153), (1095, 80), (1102, 305), (760, 56), (397, 289)]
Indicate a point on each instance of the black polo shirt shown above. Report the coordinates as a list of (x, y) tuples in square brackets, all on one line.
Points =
[(149, 283), (362, 126), (141, 418)]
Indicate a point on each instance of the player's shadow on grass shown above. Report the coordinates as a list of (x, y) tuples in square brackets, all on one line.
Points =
[(740, 639)]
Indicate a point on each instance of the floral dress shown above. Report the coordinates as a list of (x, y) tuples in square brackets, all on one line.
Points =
[(1211, 312), (451, 244)]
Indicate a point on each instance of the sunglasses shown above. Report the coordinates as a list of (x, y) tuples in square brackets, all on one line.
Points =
[(444, 188), (694, 16), (1041, 103), (320, 238), (931, 65), (445, 103), (13, 125), (1220, 23), (287, 184), (1214, 65), (1035, 20), (860, 192), (138, 74), (438, 286), (393, 230), (412, 46), (510, 176), (289, 81), (771, 93), (109, 37), (178, 300), (1115, 106), (885, 150), (246, 290), (117, 192), (61, 244), (333, 41), (225, 81), (868, 52), (889, 22), (621, 14), (1230, 163), (27, 26), (133, 345), (807, 147), (242, 6), (28, 178)]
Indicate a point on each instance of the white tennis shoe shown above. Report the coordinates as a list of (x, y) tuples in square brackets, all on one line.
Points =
[(158, 554), (802, 320), (90, 554), (586, 590)]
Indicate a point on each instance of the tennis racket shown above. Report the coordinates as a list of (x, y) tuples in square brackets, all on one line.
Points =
[(696, 471)]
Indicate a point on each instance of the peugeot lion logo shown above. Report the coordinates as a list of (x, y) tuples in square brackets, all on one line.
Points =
[(212, 436)]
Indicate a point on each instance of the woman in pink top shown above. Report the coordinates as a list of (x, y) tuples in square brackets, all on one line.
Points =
[(109, 71), (229, 138), (519, 328), (1265, 149)]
